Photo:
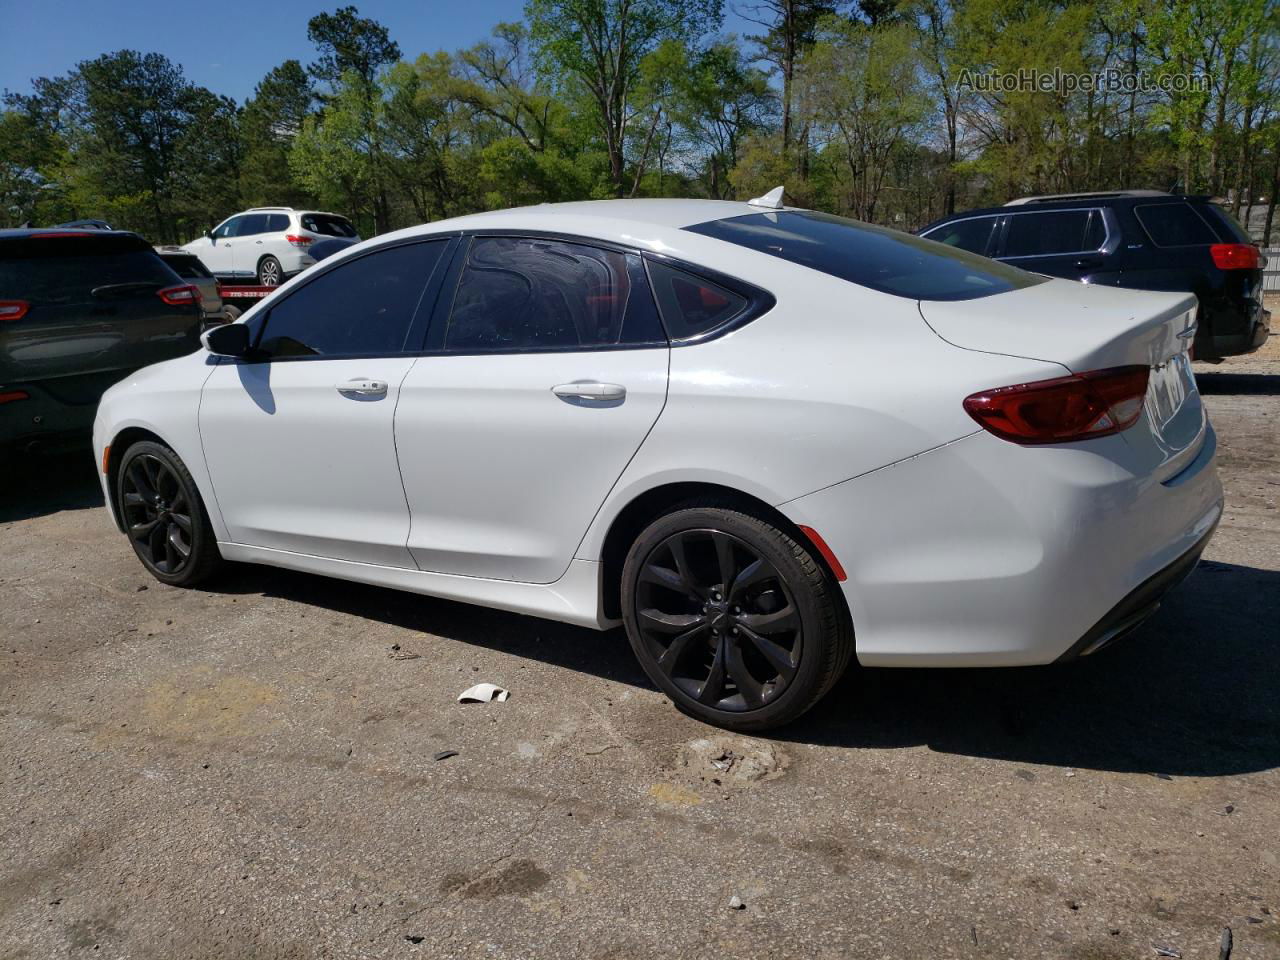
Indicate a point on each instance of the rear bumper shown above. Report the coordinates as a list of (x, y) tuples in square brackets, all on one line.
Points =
[(985, 553), (42, 419), (1131, 612), (1253, 336)]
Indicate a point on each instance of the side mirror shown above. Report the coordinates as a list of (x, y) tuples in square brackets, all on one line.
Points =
[(212, 238), (227, 340)]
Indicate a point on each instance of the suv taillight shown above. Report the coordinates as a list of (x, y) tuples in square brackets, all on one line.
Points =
[(13, 309), (1079, 407), (1236, 256), (299, 240), (180, 296)]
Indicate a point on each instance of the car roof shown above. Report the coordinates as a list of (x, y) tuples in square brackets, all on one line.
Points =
[(616, 220), (1087, 195), (1070, 202), (20, 233)]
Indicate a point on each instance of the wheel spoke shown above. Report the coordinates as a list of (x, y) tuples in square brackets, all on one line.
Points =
[(182, 520), (133, 499), (662, 576), (779, 658), (724, 558), (713, 687), (141, 482), (143, 530), (670, 622), (671, 656), (751, 689), (756, 572), (776, 622), (175, 541), (682, 568)]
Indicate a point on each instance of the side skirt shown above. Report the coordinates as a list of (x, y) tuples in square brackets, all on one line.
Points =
[(574, 598)]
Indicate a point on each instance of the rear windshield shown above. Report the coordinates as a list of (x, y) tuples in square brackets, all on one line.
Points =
[(328, 224), (186, 266), (1226, 222), (871, 256), (1174, 225), (70, 269)]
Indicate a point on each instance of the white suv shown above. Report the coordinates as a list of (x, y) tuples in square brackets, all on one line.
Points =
[(267, 244)]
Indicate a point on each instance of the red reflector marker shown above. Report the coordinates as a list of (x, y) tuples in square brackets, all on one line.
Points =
[(1064, 409), (827, 554), (13, 395), (13, 309), (1236, 256), (179, 296)]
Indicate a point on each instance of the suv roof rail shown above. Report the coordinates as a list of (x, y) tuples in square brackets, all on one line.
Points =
[(252, 209), (1098, 195)]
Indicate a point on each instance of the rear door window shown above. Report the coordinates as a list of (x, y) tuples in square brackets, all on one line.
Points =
[(1174, 225), (523, 294), (971, 233), (875, 257), (252, 225), (361, 308), (1047, 233)]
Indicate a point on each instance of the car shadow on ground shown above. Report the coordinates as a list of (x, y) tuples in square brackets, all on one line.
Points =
[(1241, 384), (1194, 692), (33, 485)]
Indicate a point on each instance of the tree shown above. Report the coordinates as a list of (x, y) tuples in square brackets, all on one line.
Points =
[(353, 50), (601, 44), (271, 121)]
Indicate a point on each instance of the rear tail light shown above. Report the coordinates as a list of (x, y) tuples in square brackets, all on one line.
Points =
[(299, 240), (1064, 409), (13, 309), (180, 296), (1236, 256), (12, 395)]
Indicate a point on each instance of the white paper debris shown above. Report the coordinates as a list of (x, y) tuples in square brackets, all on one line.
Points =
[(483, 693)]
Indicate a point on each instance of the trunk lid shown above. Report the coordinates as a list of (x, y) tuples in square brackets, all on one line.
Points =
[(1085, 328)]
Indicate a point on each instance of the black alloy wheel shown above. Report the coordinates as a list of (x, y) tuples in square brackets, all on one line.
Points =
[(163, 515), (733, 617)]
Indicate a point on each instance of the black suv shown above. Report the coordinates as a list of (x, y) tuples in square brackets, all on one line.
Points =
[(80, 310), (1140, 239)]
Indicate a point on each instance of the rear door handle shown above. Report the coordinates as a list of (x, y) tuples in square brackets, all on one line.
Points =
[(589, 390), (360, 387)]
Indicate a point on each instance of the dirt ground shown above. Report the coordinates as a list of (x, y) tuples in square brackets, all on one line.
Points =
[(248, 771)]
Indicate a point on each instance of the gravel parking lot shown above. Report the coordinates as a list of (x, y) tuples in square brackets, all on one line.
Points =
[(247, 771)]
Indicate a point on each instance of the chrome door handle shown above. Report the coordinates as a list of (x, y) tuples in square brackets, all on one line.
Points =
[(589, 390), (361, 387)]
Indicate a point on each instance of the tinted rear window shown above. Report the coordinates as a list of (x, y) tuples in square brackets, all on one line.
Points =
[(186, 266), (870, 256), (1225, 222), (1174, 225), (67, 270), (328, 225)]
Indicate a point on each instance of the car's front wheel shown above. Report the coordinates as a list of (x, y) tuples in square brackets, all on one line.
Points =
[(164, 516), (269, 272), (733, 618)]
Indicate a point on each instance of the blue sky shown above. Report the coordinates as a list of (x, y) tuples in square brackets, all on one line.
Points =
[(225, 45)]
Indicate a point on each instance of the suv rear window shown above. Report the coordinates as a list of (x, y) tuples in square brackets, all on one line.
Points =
[(870, 256), (186, 265), (1225, 221), (328, 224), (68, 269), (1174, 225)]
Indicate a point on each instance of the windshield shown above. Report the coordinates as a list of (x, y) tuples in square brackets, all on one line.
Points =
[(871, 256)]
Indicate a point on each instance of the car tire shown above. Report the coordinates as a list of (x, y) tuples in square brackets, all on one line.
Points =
[(231, 313), (733, 617), (270, 274), (164, 516)]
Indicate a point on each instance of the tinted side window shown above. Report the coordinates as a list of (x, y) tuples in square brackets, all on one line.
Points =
[(1174, 225), (518, 293), (229, 229), (972, 234), (870, 256), (277, 222), (690, 305), (1047, 233), (252, 225), (363, 307)]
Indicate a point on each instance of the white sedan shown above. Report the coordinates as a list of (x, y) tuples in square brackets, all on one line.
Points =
[(767, 440)]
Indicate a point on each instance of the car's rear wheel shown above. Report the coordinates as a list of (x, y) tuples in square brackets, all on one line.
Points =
[(164, 517), (733, 618), (269, 272)]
